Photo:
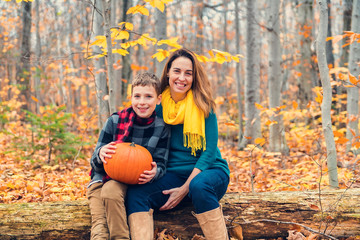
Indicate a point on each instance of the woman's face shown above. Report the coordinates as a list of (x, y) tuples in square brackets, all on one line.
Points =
[(180, 78)]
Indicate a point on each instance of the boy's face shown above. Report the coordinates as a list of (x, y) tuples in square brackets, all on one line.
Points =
[(144, 100)]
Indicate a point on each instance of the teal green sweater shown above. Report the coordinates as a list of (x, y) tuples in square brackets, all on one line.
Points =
[(180, 159)]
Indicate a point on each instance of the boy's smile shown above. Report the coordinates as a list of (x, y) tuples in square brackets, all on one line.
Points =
[(144, 100)]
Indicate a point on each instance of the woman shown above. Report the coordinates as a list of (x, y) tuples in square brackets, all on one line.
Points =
[(195, 168)]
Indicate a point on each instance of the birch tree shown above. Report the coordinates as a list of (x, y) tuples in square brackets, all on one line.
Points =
[(276, 128), (327, 95), (99, 63), (239, 80), (354, 69), (305, 68), (252, 78)]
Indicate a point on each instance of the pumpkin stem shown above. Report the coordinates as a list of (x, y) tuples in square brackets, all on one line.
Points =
[(132, 144)]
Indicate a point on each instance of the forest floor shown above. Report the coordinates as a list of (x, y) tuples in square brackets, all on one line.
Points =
[(26, 176)]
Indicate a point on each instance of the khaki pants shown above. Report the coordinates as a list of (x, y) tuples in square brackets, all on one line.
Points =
[(113, 195), (99, 229)]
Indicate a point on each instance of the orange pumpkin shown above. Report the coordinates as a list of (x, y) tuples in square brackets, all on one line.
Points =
[(128, 162)]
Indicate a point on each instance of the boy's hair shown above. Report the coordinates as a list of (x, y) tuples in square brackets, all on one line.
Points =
[(146, 79)]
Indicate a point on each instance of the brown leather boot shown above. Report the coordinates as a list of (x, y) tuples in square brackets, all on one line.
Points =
[(213, 225), (141, 225)]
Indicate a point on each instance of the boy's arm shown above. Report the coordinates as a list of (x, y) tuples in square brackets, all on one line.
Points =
[(161, 152), (106, 136)]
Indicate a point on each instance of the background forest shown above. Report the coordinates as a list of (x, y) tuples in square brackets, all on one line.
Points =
[(287, 119)]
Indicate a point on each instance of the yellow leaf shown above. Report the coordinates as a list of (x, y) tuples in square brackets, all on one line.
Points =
[(129, 26), (125, 45), (123, 34), (220, 58), (122, 52), (161, 54), (259, 141), (202, 58), (258, 106), (172, 42), (138, 9), (353, 79), (100, 41), (159, 4), (319, 98)]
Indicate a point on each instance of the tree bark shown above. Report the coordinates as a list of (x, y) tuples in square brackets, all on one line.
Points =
[(239, 80), (252, 79), (160, 34), (126, 71), (327, 95), (24, 72), (100, 77), (354, 69), (260, 215), (38, 56), (109, 58), (276, 136), (305, 68)]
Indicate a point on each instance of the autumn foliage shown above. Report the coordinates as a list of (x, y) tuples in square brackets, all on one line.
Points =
[(26, 175)]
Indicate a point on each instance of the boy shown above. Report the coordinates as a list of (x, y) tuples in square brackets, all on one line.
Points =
[(137, 124)]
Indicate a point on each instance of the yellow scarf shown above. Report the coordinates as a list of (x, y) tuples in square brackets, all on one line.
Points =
[(185, 112)]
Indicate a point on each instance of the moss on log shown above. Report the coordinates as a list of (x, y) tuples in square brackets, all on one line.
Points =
[(260, 215)]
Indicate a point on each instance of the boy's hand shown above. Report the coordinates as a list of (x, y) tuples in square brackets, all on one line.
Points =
[(148, 175), (107, 151)]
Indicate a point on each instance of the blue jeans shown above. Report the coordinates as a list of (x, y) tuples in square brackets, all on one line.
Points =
[(205, 191)]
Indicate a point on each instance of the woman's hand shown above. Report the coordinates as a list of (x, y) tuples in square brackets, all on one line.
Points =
[(107, 151), (176, 195), (148, 175)]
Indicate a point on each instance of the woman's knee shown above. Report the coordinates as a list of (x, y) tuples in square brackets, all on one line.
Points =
[(199, 189), (113, 190)]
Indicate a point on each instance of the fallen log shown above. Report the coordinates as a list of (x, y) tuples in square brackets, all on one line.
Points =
[(259, 215)]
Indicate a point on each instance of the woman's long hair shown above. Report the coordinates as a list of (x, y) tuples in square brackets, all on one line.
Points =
[(201, 86)]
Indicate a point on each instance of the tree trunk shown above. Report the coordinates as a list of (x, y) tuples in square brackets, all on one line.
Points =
[(160, 34), (261, 216), (38, 56), (327, 96), (239, 80), (252, 80), (109, 58), (354, 69), (24, 73), (276, 129), (100, 77), (305, 68), (126, 71), (344, 58)]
